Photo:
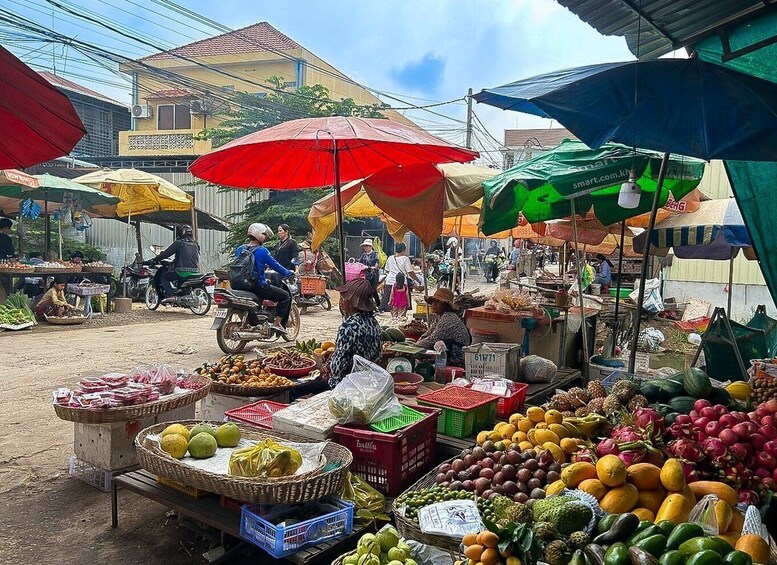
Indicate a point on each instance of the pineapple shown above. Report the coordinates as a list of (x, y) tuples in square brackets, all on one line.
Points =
[(638, 401), (596, 406), (624, 390), (582, 412), (611, 405), (596, 389), (560, 402)]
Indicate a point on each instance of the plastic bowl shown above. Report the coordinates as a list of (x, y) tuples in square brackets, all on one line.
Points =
[(298, 372), (406, 383)]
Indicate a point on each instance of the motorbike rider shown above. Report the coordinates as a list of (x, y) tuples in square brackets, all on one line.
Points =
[(258, 234), (492, 266), (186, 263)]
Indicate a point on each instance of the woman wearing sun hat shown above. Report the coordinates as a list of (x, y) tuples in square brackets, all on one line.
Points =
[(448, 327), (359, 334), (369, 258)]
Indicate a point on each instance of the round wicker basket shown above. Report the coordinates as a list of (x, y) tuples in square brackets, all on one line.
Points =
[(289, 490), (241, 390), (339, 560), (134, 412)]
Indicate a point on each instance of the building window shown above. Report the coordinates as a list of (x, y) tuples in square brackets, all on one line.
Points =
[(228, 88), (173, 116)]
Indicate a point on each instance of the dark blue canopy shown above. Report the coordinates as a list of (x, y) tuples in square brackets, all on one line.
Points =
[(684, 106)]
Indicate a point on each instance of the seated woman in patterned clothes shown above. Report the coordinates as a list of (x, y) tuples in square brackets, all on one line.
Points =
[(359, 334)]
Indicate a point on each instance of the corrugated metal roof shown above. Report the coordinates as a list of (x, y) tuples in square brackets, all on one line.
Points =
[(251, 39), (544, 138), (65, 84), (666, 25)]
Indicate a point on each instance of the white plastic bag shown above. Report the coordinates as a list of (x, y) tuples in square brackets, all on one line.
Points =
[(652, 302), (703, 514), (364, 396)]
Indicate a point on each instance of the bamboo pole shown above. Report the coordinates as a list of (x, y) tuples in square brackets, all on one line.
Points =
[(583, 328)]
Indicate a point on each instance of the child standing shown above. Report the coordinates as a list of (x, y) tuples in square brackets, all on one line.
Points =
[(400, 297)]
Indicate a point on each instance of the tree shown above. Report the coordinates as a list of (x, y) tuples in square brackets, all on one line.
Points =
[(253, 113)]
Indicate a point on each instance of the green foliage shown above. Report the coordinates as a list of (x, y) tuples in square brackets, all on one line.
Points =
[(34, 241)]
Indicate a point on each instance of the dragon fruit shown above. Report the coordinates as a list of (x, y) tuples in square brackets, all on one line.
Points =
[(584, 455), (607, 447), (645, 417), (626, 434), (631, 457), (686, 449), (716, 450)]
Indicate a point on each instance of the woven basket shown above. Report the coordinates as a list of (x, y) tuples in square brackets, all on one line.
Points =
[(409, 529), (103, 270), (66, 321), (289, 490), (134, 412), (339, 560), (17, 271), (59, 271), (241, 390)]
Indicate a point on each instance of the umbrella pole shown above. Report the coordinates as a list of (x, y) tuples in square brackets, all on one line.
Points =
[(730, 280), (645, 255), (618, 285), (59, 235), (339, 206), (426, 277), (456, 257), (583, 328), (46, 227), (126, 246)]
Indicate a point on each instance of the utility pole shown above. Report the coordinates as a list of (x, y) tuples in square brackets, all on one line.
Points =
[(469, 119)]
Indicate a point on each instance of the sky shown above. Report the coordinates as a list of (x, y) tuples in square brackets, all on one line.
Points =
[(423, 51)]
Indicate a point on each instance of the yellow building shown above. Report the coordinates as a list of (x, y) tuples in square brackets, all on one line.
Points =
[(179, 92)]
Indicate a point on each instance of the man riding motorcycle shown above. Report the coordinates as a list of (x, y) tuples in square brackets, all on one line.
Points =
[(257, 235), (186, 263)]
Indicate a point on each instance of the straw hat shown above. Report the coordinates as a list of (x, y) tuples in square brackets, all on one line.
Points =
[(358, 293), (442, 295), (367, 242), (304, 245)]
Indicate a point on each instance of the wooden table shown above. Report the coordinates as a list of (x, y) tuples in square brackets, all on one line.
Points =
[(208, 510)]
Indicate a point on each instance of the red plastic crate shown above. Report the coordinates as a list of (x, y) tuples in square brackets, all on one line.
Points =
[(457, 397), (392, 462), (509, 405), (257, 414), (231, 504)]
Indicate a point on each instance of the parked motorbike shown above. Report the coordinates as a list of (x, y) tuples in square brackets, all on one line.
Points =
[(243, 317), (492, 264), (137, 281), (446, 276), (193, 292)]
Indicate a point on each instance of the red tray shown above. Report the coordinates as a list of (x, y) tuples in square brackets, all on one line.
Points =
[(458, 397), (257, 414), (509, 405)]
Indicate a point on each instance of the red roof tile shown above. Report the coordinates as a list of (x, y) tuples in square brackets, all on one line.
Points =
[(546, 138), (65, 84), (257, 37)]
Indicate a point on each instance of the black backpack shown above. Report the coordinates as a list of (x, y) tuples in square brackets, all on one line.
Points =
[(241, 274)]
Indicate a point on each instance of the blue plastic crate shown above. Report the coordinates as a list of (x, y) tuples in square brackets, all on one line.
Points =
[(279, 541), (616, 376)]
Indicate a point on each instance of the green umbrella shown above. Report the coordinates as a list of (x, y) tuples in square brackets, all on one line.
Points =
[(542, 188), (55, 190)]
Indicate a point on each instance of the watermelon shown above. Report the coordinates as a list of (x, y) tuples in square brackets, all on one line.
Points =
[(682, 404), (696, 383)]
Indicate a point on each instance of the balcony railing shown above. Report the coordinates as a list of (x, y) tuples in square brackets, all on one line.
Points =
[(161, 142)]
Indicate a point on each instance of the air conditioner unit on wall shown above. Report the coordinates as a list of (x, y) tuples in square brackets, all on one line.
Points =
[(141, 111)]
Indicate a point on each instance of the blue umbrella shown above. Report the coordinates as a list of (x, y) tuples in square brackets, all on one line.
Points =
[(684, 106)]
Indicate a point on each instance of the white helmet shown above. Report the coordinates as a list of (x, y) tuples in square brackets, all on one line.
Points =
[(452, 241), (257, 229)]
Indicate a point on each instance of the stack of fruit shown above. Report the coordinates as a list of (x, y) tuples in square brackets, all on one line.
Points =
[(383, 548), (540, 429), (201, 441), (595, 400), (235, 370), (735, 447)]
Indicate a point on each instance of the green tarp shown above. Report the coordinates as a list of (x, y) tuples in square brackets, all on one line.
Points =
[(753, 183)]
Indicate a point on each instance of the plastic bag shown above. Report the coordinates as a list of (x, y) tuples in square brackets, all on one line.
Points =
[(267, 458), (650, 339), (364, 396), (452, 518), (370, 504), (704, 515), (536, 369)]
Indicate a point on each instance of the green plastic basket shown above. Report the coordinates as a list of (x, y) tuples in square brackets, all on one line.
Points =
[(476, 411), (394, 423)]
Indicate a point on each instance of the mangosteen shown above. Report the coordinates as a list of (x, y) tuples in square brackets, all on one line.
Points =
[(552, 477), (458, 465), (513, 457), (523, 488), (478, 453), (487, 493), (450, 475), (440, 478), (455, 485), (533, 484), (555, 466), (463, 475), (487, 473), (469, 460), (445, 467), (540, 474), (499, 478), (511, 488), (521, 497), (487, 463), (531, 464), (537, 493), (509, 472), (523, 474), (468, 485), (498, 489), (482, 484)]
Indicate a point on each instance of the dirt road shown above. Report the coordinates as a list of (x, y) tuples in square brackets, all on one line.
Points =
[(46, 515)]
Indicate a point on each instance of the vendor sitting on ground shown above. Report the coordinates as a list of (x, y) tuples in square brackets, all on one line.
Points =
[(53, 303), (448, 328), (359, 334), (603, 270)]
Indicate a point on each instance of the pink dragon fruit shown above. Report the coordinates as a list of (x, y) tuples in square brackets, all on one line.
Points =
[(644, 417), (607, 447), (625, 434), (686, 449)]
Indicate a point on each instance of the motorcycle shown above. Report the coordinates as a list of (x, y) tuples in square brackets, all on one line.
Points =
[(446, 275), (137, 281), (194, 292), (242, 317), (303, 301), (492, 264)]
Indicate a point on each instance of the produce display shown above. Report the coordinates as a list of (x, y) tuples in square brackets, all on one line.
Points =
[(414, 327), (235, 370), (57, 265), (394, 335), (117, 390), (15, 266), (201, 442), (16, 310), (98, 265), (384, 547), (309, 346), (509, 300), (764, 381), (288, 359)]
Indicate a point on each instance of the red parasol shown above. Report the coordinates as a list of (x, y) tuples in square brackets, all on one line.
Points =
[(37, 121), (318, 152)]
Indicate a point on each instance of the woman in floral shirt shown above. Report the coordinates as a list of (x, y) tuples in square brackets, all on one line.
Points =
[(448, 328), (359, 334)]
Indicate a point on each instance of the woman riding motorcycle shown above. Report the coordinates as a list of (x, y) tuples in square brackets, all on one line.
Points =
[(257, 235)]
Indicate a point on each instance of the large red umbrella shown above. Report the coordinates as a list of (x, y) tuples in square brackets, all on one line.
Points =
[(37, 121), (317, 152)]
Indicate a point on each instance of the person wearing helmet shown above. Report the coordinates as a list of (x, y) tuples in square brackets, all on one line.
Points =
[(186, 263), (258, 234)]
